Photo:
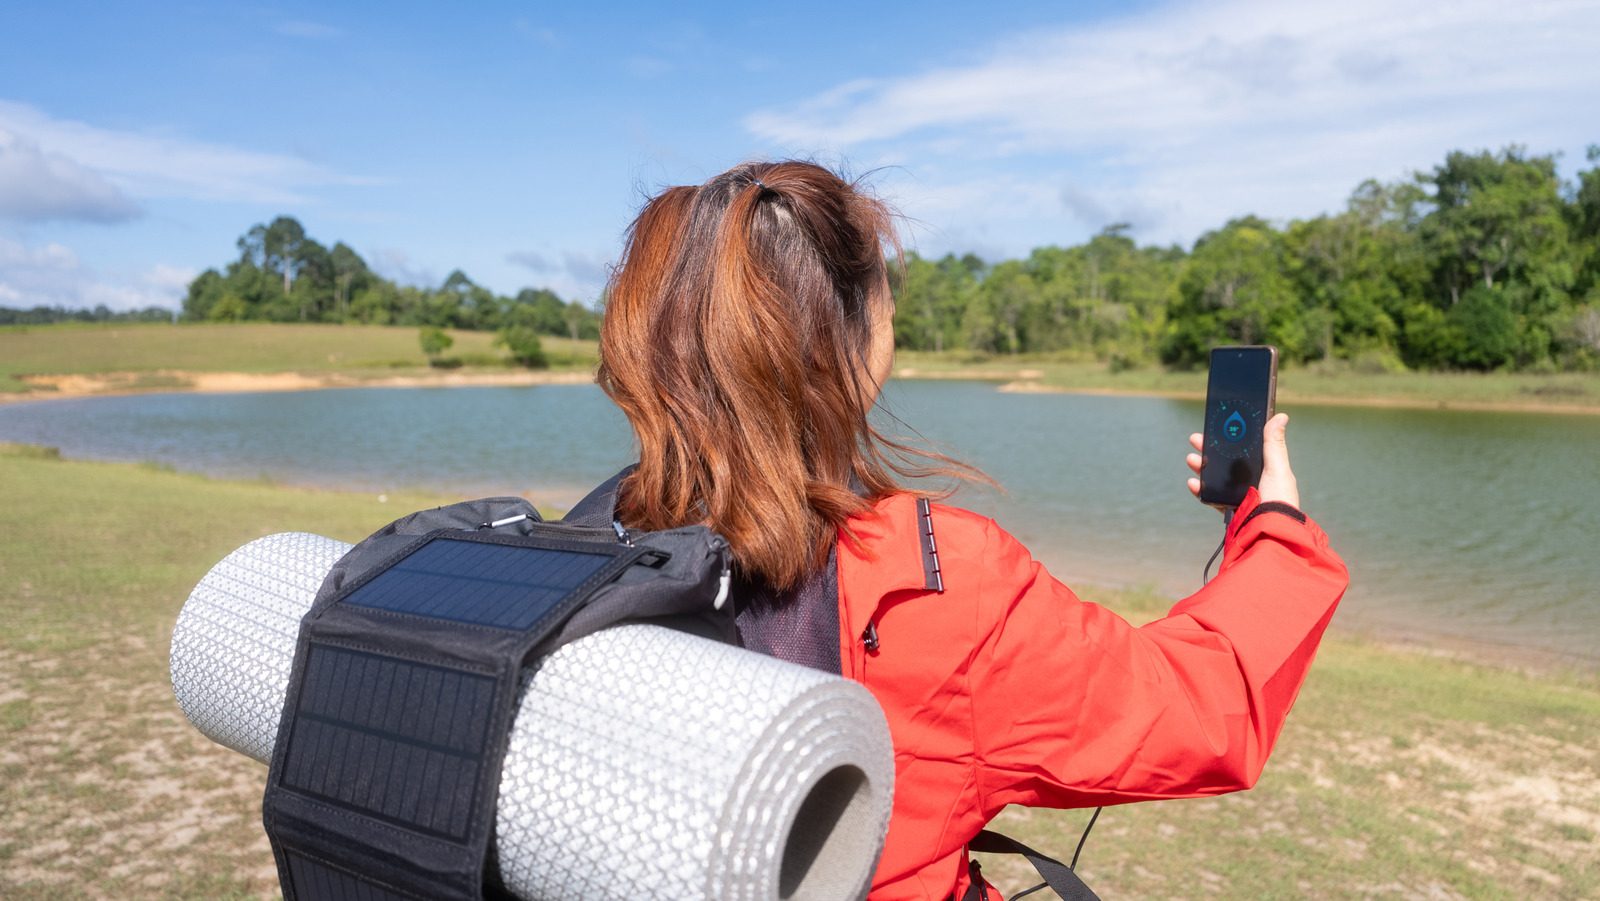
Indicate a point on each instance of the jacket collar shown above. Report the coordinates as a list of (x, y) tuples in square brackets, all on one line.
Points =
[(885, 557)]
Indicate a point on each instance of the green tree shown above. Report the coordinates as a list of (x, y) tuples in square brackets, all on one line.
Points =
[(1499, 222), (1486, 329), (577, 317), (350, 274), (524, 346), (1005, 298), (434, 341), (312, 293), (1354, 271), (1584, 220), (228, 308), (1495, 216), (1235, 291), (275, 247), (931, 299), (539, 309), (204, 292)]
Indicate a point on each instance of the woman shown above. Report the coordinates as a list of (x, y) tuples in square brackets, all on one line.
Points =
[(747, 333)]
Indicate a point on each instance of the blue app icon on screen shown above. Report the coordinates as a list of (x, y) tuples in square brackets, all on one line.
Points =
[(1234, 427)]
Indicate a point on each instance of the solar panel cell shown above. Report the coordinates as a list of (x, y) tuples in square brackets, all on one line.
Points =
[(315, 882), (480, 583), (398, 740)]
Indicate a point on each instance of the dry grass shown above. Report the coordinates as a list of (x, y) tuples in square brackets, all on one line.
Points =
[(106, 791), (110, 793)]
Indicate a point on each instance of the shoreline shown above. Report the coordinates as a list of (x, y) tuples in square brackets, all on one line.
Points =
[(1024, 381), (1290, 397), (178, 381)]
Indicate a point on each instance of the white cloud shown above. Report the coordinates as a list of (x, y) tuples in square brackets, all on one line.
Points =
[(574, 275), (396, 265), (52, 275), (532, 260), (156, 166), (36, 186), (1205, 110)]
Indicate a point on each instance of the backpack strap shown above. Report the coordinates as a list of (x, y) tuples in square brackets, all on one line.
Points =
[(599, 507), (1059, 877)]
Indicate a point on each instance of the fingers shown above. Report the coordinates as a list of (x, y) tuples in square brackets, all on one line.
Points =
[(1274, 447), (1194, 461), (1277, 479)]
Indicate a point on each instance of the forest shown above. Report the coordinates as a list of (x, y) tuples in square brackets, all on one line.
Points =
[(283, 275), (1488, 261)]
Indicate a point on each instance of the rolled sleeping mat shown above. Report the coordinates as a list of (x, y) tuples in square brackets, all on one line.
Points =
[(644, 763)]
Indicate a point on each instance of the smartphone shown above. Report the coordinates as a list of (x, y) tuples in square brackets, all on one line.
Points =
[(1239, 397)]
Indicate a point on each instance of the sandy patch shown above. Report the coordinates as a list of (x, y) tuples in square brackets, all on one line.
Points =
[(55, 387), (990, 375)]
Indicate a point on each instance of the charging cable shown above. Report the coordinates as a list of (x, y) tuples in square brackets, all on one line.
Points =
[(1227, 518)]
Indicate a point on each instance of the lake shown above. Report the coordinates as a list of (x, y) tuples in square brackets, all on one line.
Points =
[(1478, 528)]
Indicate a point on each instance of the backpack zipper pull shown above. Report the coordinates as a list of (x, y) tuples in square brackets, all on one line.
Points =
[(869, 638), (724, 586), (622, 533), (502, 522)]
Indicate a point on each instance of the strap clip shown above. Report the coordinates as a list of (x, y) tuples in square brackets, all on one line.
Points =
[(869, 637)]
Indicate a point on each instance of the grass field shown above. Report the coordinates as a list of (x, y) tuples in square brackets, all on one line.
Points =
[(1312, 384), (1398, 776), (151, 352)]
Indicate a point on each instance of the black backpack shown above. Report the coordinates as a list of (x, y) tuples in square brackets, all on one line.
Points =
[(409, 663)]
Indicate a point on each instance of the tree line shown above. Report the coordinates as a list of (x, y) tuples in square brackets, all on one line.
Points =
[(1488, 261), (42, 315), (283, 275)]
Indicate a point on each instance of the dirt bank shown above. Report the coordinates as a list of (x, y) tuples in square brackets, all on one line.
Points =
[(55, 387)]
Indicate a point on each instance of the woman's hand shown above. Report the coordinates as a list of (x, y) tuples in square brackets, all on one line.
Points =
[(1277, 479)]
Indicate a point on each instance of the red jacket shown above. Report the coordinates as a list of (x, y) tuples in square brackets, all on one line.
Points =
[(1007, 689)]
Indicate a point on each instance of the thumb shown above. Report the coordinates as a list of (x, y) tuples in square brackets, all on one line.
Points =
[(1277, 479)]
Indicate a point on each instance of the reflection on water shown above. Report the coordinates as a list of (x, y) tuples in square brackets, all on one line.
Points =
[(1474, 524), (555, 441)]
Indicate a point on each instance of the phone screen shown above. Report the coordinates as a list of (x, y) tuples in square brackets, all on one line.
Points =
[(1239, 398)]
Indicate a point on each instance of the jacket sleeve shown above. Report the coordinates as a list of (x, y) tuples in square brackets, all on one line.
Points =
[(1074, 707)]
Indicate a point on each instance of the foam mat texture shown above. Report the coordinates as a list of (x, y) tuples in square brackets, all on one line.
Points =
[(643, 763)]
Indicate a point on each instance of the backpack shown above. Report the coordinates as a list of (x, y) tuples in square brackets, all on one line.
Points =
[(411, 656)]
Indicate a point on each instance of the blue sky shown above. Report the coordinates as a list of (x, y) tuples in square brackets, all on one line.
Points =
[(515, 141)]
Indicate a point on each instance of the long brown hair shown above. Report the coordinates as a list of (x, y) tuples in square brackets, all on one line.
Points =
[(736, 334)]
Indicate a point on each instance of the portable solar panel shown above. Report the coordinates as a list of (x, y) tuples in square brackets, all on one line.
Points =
[(399, 706), (480, 583)]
